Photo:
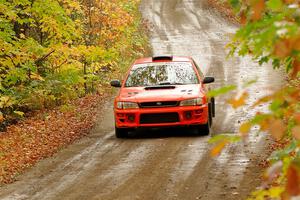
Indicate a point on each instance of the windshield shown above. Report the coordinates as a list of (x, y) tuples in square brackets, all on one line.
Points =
[(169, 73)]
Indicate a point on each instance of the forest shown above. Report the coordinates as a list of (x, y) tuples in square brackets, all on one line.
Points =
[(56, 51)]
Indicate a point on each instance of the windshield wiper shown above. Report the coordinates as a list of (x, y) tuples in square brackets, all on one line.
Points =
[(170, 83)]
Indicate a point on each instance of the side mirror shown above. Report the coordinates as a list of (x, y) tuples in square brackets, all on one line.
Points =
[(115, 83), (208, 80)]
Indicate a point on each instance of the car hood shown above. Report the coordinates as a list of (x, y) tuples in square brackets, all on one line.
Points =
[(177, 93)]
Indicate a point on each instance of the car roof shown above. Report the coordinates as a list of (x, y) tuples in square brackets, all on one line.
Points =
[(163, 59)]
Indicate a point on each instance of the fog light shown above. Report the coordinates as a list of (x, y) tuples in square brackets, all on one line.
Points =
[(199, 111), (188, 115), (131, 118)]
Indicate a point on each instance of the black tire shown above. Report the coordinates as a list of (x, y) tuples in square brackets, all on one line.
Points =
[(204, 129), (210, 112), (213, 107), (121, 132)]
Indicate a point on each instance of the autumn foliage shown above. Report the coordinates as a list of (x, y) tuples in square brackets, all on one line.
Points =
[(270, 33), (53, 51)]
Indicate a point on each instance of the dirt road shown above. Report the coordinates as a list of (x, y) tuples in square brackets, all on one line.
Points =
[(163, 164)]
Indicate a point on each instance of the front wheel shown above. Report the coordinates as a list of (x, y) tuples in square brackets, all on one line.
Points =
[(204, 129), (121, 132)]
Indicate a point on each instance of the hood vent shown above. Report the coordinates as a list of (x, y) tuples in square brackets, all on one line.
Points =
[(159, 87)]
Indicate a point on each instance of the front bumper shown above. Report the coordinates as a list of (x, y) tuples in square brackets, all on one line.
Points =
[(187, 115)]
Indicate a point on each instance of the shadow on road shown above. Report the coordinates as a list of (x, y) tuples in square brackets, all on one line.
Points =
[(157, 133)]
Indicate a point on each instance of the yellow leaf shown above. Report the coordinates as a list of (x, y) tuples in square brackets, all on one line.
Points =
[(264, 125), (277, 129), (19, 113), (296, 132), (245, 128), (22, 36), (35, 76), (218, 148), (6, 102), (262, 100), (235, 103)]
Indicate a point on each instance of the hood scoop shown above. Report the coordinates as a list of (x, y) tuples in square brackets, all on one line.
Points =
[(159, 87), (131, 94)]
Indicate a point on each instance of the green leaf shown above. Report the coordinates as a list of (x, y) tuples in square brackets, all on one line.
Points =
[(275, 5), (276, 105), (235, 4), (225, 137), (220, 91), (249, 83)]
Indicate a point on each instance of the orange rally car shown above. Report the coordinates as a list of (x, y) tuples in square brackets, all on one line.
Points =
[(163, 91)]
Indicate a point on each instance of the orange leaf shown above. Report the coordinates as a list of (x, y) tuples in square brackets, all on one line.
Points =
[(297, 117), (245, 128), (258, 6), (218, 148), (1, 117), (296, 69), (293, 180), (243, 18), (289, 1), (296, 44), (264, 125), (283, 48), (296, 132), (235, 103), (277, 129)]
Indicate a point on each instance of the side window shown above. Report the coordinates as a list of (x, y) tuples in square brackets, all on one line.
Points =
[(199, 71)]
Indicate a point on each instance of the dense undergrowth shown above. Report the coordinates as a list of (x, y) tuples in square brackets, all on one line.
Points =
[(54, 51)]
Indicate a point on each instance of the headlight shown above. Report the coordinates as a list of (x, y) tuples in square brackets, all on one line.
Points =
[(127, 105), (192, 102)]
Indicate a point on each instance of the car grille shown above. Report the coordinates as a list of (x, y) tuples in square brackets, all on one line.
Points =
[(158, 104), (157, 118)]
